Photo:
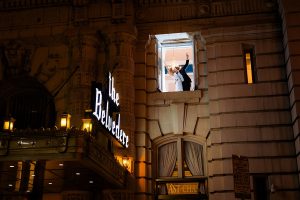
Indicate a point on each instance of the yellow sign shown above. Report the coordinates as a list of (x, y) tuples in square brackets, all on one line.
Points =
[(183, 188)]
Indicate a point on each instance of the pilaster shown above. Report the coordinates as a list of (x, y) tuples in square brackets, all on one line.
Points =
[(82, 73)]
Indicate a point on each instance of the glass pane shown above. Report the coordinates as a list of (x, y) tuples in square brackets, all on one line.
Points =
[(186, 170), (249, 68), (193, 160), (175, 171), (167, 160)]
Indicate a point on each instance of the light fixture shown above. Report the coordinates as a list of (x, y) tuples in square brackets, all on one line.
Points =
[(126, 162), (87, 125), (87, 121), (65, 121), (8, 124)]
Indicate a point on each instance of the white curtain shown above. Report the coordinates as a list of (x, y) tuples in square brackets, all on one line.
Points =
[(193, 158), (167, 159)]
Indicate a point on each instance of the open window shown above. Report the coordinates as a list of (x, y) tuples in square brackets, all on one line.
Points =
[(172, 51)]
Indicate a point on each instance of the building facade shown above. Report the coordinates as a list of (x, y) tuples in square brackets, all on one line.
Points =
[(234, 134)]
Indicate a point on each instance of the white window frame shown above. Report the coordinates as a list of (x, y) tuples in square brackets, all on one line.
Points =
[(174, 41)]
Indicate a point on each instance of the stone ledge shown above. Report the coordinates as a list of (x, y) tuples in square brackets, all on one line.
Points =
[(161, 98)]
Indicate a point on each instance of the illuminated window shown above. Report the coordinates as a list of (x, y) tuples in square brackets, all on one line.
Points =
[(249, 63), (173, 51)]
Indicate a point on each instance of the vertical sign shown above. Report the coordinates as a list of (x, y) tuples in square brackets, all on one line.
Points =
[(104, 103), (241, 177)]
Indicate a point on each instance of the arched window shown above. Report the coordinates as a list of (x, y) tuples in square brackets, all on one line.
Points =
[(28, 101), (180, 169), (180, 159)]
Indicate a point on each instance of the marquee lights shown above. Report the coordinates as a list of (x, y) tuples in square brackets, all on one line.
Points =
[(104, 114)]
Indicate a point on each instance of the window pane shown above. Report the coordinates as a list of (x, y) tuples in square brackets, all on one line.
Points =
[(193, 158), (186, 170), (175, 171), (249, 68), (171, 55), (167, 157)]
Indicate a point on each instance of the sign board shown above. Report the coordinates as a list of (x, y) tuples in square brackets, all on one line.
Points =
[(241, 177), (105, 104), (183, 188)]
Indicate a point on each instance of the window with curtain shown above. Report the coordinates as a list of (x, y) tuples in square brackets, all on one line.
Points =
[(180, 159)]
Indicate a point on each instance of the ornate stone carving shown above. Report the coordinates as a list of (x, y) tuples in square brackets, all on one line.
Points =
[(16, 59), (168, 10), (47, 69), (118, 11)]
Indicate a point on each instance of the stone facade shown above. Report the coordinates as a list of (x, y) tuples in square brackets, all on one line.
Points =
[(67, 44)]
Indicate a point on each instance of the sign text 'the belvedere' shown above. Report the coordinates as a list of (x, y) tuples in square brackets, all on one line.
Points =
[(103, 114)]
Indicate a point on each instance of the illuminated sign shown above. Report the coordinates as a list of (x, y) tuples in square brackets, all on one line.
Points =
[(109, 116), (183, 188)]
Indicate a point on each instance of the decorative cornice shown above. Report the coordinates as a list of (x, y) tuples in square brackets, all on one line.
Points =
[(171, 10)]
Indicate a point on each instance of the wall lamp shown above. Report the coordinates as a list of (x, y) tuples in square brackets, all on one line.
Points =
[(87, 124), (8, 124), (127, 163), (65, 121)]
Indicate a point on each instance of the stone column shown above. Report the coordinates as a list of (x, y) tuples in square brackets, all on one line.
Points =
[(290, 12), (151, 64), (145, 81), (121, 65), (200, 63), (84, 59)]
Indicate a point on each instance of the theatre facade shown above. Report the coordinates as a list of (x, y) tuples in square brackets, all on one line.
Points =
[(89, 111)]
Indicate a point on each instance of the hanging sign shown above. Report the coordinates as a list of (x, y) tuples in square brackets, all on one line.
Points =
[(106, 110)]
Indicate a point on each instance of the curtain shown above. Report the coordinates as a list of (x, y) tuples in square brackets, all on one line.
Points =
[(167, 159), (193, 158)]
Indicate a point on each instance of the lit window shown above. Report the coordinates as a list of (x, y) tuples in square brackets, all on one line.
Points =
[(175, 52), (249, 63), (249, 68)]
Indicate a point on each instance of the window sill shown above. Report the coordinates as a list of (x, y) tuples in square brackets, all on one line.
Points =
[(174, 97)]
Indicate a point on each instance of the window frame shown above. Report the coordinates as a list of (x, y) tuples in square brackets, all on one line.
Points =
[(180, 154), (161, 45)]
